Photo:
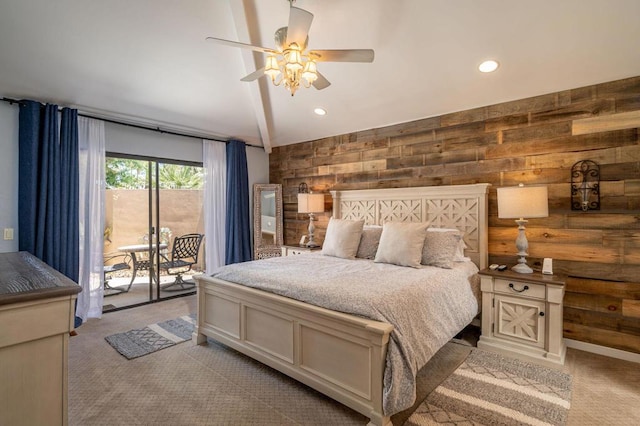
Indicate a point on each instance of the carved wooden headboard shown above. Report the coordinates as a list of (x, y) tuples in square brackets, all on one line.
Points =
[(463, 207)]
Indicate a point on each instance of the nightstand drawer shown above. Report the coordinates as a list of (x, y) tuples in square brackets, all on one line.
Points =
[(523, 289), (295, 250)]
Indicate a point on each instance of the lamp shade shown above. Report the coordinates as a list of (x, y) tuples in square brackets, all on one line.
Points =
[(310, 72), (519, 202), (293, 59), (310, 203), (272, 69)]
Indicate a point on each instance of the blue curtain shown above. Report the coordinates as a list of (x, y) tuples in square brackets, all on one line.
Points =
[(48, 186), (237, 229)]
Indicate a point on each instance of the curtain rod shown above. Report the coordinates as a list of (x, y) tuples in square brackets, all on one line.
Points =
[(138, 126)]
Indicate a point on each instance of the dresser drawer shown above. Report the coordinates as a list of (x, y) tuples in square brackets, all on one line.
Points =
[(23, 322), (524, 289)]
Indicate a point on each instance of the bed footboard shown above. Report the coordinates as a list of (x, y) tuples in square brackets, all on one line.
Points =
[(339, 355)]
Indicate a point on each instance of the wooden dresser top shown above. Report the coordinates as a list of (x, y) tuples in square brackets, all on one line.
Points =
[(24, 277)]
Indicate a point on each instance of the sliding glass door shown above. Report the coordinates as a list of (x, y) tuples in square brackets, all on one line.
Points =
[(153, 229)]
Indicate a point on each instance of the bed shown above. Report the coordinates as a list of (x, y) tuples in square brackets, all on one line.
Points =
[(343, 355)]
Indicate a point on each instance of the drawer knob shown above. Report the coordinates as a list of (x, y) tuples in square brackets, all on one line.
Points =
[(541, 314), (512, 287)]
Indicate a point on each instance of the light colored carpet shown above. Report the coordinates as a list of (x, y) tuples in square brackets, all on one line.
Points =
[(212, 385), (185, 384), (606, 391)]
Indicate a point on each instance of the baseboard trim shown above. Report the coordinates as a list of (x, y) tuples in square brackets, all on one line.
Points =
[(603, 350)]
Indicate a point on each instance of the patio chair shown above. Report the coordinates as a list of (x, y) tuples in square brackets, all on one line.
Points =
[(114, 262), (184, 254)]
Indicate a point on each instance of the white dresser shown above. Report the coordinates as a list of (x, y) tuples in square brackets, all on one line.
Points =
[(36, 317)]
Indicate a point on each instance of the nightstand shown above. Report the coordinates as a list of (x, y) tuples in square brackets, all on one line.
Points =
[(522, 315), (292, 250)]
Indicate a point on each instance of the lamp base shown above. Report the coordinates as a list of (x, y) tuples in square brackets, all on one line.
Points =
[(522, 268), (312, 228), (522, 245)]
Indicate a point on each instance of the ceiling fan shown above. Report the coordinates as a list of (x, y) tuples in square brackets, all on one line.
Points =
[(290, 62)]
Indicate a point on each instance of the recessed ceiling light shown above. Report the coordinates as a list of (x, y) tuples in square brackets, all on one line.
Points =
[(488, 66), (320, 111)]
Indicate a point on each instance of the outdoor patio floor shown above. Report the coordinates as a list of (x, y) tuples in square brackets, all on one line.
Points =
[(139, 292)]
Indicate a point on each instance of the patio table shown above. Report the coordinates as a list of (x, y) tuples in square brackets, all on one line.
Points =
[(140, 263)]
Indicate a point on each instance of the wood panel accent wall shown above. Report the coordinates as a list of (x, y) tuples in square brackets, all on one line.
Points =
[(529, 141)]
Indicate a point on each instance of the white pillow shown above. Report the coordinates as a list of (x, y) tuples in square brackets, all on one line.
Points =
[(342, 238), (459, 254), (401, 243)]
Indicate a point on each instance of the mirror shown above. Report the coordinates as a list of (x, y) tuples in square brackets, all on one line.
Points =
[(267, 220)]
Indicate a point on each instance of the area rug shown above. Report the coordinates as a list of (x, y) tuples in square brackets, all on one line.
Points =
[(489, 389), (439, 367), (143, 341)]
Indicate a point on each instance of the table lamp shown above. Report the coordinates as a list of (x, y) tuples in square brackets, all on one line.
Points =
[(520, 202), (311, 203)]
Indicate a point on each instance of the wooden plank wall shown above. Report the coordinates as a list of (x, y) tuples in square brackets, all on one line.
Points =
[(530, 141)]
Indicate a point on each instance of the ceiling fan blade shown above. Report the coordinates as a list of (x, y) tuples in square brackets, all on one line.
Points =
[(240, 45), (299, 24), (254, 75), (321, 82), (347, 55)]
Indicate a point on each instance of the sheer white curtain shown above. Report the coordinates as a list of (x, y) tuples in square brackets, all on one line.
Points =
[(91, 146), (214, 156)]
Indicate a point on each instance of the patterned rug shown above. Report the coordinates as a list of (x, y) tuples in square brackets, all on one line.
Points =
[(489, 389), (136, 343)]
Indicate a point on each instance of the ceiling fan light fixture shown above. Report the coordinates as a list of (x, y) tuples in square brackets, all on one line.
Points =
[(291, 64), (488, 66)]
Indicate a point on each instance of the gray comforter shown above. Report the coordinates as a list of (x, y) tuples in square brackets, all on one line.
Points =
[(426, 306)]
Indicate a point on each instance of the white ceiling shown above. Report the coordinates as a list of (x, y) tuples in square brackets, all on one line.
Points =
[(147, 61)]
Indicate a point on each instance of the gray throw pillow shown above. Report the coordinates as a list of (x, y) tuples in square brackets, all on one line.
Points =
[(369, 242), (459, 255), (440, 249)]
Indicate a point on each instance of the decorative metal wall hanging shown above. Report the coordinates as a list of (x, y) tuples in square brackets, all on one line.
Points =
[(585, 186)]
